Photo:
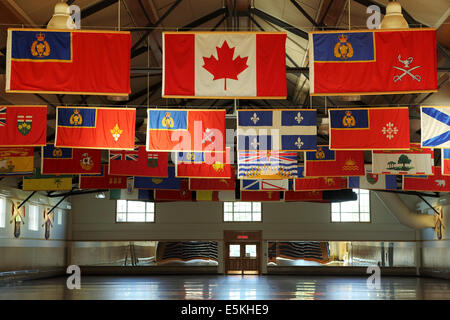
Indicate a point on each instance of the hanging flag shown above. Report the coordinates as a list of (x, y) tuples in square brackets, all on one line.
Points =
[(102, 181), (435, 127), (264, 185), (204, 195), (372, 61), (260, 196), (435, 183), (445, 162), (203, 164), (303, 196), (16, 161), (183, 194), (169, 183), (70, 161), (23, 126), (369, 128), (68, 61), (213, 184), (304, 183), (329, 163), (138, 162), (185, 130), (415, 161), (230, 65), (267, 165), (39, 182), (279, 130), (95, 128), (227, 195), (373, 181), (131, 194)]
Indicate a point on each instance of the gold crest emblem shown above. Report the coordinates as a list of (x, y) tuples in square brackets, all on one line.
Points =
[(348, 120), (218, 166), (320, 154), (350, 164), (40, 48), (116, 132), (76, 119), (190, 156), (167, 121), (86, 162), (57, 152), (343, 49)]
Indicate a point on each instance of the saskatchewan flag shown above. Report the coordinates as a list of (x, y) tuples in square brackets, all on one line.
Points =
[(39, 182)]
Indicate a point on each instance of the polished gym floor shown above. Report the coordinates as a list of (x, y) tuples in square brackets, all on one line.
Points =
[(233, 287)]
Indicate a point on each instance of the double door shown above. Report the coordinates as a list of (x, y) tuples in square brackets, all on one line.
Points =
[(243, 258)]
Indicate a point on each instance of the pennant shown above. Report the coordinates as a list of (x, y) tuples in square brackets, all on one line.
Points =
[(70, 161), (169, 183), (229, 65), (68, 61), (23, 126), (435, 127), (138, 163), (102, 181), (267, 165), (16, 161), (415, 161), (280, 130), (39, 182), (435, 183), (373, 181), (445, 162), (329, 163), (318, 183), (213, 184), (183, 194), (372, 61), (369, 128), (264, 185), (207, 195), (203, 164), (260, 196), (303, 196)]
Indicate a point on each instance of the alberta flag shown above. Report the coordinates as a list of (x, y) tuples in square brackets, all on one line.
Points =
[(435, 126), (373, 181)]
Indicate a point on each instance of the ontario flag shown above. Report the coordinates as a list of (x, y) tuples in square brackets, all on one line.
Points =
[(185, 130), (203, 164), (95, 128), (70, 161), (330, 163), (369, 128), (23, 126), (138, 163), (69, 62), (102, 180), (224, 64), (319, 183), (445, 162), (373, 61), (435, 183)]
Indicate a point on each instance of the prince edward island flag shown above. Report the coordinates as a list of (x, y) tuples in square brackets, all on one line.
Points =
[(435, 126)]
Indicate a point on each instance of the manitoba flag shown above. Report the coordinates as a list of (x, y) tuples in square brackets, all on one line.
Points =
[(224, 64), (138, 162), (435, 183)]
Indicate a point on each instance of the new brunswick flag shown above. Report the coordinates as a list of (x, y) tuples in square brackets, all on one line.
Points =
[(16, 161), (39, 182), (203, 164), (102, 181), (138, 162)]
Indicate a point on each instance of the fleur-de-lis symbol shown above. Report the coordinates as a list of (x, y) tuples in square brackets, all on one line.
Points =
[(299, 143), (254, 143), (298, 118), (255, 118)]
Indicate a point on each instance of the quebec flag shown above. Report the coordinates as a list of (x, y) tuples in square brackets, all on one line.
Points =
[(279, 130), (435, 127)]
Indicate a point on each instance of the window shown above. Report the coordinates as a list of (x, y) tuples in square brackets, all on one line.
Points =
[(241, 211), (59, 214), (352, 211), (33, 218), (2, 212), (135, 211)]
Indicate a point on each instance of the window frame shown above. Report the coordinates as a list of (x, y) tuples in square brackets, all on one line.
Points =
[(247, 221), (3, 219), (28, 214), (359, 212), (154, 212)]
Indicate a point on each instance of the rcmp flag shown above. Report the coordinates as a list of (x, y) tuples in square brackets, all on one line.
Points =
[(415, 161), (369, 128), (319, 183), (267, 165), (435, 127), (39, 182), (95, 128), (23, 126), (445, 162), (372, 61), (373, 181), (264, 185), (16, 161), (213, 184), (169, 183), (185, 130), (66, 61), (224, 64), (284, 130), (435, 183), (329, 163), (102, 181), (260, 196), (203, 164), (70, 161), (138, 163)]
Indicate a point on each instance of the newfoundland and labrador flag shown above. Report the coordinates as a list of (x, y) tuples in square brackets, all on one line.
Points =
[(23, 126), (329, 163), (138, 162), (229, 65), (445, 162), (203, 164), (16, 161), (372, 61), (185, 130), (56, 160), (434, 183), (102, 181), (373, 181), (69, 62), (435, 127), (95, 128), (279, 130)]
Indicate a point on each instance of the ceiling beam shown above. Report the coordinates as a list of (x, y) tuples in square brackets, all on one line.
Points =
[(204, 19), (304, 13)]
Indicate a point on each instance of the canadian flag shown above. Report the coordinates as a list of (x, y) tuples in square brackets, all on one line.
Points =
[(224, 64)]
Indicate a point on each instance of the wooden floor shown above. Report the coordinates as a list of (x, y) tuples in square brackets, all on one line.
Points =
[(218, 287)]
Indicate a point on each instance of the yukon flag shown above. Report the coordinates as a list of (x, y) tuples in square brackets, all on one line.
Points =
[(373, 181), (224, 64), (445, 162)]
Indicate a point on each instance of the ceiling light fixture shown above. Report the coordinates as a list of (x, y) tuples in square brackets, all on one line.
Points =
[(393, 18)]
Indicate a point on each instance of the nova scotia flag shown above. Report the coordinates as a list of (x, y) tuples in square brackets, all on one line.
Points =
[(435, 127)]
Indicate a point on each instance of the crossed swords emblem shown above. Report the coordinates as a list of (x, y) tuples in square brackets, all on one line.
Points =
[(405, 70)]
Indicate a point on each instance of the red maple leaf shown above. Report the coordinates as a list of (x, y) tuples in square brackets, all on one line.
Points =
[(225, 67)]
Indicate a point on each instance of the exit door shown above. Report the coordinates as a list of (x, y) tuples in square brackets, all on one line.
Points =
[(243, 258)]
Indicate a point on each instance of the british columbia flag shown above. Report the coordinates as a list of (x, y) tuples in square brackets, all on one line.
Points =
[(267, 165)]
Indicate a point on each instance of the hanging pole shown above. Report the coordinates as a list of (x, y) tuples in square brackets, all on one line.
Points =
[(118, 14), (28, 198), (349, 14)]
